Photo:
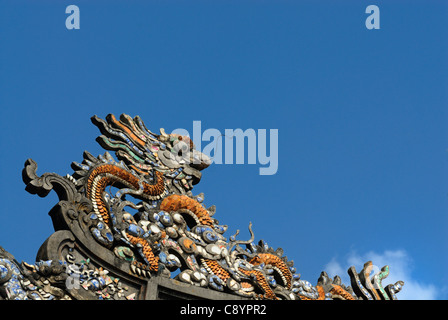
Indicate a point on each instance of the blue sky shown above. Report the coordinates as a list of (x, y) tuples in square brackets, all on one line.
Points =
[(361, 116)]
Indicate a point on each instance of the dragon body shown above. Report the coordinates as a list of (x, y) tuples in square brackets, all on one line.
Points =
[(160, 180), (105, 175)]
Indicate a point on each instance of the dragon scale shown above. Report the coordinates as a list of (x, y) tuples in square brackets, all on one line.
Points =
[(106, 175)]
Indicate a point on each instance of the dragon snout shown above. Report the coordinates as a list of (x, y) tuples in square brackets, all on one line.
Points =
[(199, 160)]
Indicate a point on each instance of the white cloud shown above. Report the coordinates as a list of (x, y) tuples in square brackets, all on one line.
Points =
[(400, 266)]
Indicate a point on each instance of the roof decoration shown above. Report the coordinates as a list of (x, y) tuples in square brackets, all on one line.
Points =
[(124, 223)]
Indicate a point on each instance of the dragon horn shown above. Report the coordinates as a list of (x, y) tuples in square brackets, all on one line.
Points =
[(163, 135)]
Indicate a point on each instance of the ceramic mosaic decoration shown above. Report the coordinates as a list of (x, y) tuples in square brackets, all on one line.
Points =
[(126, 223)]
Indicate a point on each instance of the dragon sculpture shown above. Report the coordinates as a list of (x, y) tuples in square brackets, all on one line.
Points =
[(162, 231)]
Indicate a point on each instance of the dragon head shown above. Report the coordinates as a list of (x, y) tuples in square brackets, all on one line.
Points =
[(145, 152)]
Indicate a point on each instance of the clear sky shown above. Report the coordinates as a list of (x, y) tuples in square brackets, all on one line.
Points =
[(361, 118)]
